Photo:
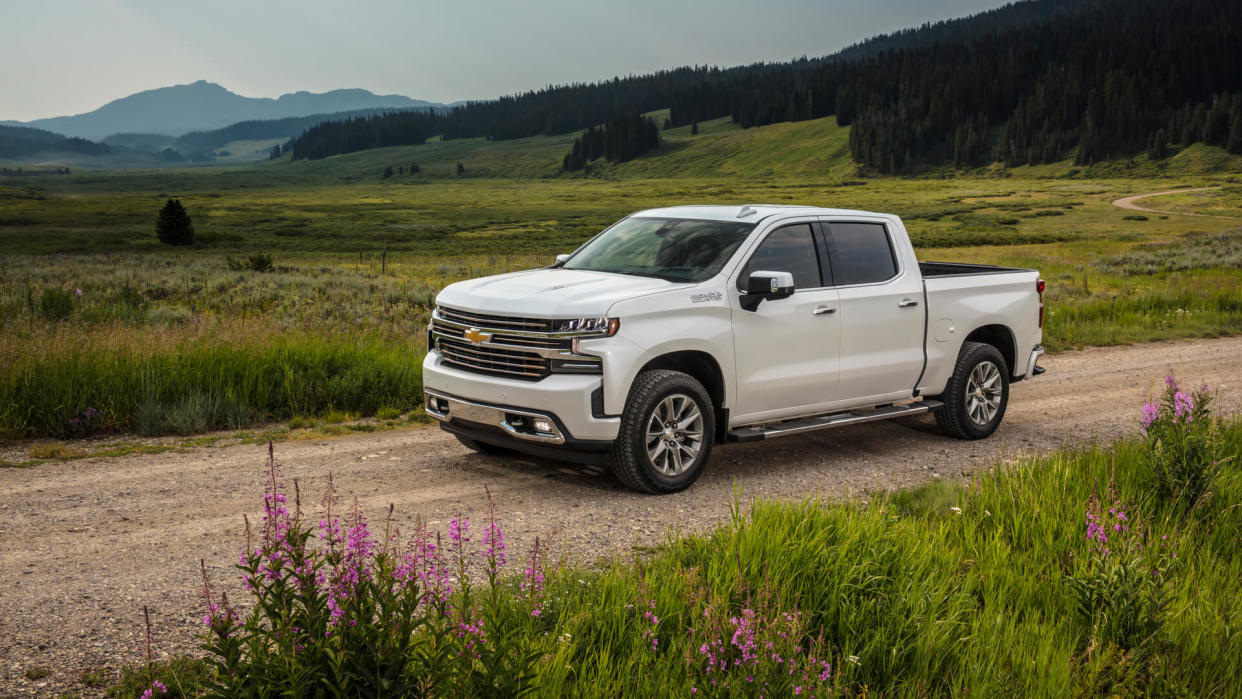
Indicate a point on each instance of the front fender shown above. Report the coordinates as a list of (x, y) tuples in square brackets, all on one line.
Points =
[(657, 325)]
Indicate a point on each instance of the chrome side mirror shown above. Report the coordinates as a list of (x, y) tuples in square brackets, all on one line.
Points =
[(763, 285), (561, 259)]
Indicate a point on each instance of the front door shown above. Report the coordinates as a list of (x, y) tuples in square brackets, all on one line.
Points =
[(786, 350)]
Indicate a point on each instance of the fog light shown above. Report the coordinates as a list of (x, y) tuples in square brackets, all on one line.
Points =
[(543, 426)]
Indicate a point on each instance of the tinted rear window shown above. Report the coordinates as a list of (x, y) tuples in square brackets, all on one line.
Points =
[(860, 253)]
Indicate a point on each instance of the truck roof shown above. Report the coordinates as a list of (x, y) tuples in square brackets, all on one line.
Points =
[(743, 212)]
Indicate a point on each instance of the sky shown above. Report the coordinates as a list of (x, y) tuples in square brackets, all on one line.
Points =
[(64, 57)]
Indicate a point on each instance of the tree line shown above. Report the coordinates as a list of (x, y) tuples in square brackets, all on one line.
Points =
[(1028, 83), (617, 140)]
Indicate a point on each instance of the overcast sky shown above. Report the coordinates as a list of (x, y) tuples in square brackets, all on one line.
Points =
[(70, 56)]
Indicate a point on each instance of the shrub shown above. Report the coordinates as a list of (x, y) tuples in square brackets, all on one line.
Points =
[(1134, 217), (56, 304), (254, 263), (173, 225), (1185, 449), (387, 414)]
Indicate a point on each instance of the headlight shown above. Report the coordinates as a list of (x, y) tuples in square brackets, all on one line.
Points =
[(598, 327)]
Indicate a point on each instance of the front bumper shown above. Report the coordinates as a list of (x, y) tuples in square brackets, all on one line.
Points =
[(571, 402)]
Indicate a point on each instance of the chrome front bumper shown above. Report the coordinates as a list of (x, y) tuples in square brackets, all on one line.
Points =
[(520, 423)]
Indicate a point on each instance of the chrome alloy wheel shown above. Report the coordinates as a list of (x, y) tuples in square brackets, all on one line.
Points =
[(983, 393), (674, 434)]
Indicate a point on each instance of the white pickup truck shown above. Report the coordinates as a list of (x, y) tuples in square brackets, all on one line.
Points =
[(679, 328)]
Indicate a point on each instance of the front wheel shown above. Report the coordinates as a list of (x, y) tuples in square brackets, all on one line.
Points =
[(976, 395), (666, 432)]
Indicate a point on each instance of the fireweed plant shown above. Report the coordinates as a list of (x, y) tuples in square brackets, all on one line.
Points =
[(341, 611), (1185, 446), (1119, 588)]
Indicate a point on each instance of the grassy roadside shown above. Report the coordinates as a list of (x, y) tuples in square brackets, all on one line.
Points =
[(993, 587)]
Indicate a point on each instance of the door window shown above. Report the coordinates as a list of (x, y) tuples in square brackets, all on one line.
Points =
[(860, 253), (788, 249)]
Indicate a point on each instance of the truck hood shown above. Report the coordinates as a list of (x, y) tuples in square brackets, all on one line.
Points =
[(550, 293)]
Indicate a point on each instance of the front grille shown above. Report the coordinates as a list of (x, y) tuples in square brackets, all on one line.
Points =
[(491, 322), (504, 353), (492, 360)]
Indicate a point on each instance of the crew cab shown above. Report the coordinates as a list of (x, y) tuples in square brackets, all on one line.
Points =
[(680, 328)]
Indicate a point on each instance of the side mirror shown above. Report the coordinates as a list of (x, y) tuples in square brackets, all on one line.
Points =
[(561, 259), (763, 285)]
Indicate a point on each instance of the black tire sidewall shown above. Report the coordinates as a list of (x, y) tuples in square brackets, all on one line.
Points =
[(651, 387), (977, 355)]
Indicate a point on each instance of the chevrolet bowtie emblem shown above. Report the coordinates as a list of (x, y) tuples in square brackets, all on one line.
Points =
[(476, 336)]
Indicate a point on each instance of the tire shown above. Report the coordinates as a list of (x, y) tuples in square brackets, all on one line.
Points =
[(643, 456), (973, 408), (483, 447)]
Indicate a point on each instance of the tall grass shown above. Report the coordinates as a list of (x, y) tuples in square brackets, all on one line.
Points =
[(943, 590), (182, 383)]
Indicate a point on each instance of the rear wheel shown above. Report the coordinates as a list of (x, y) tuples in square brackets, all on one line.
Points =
[(483, 447), (666, 432), (977, 394)]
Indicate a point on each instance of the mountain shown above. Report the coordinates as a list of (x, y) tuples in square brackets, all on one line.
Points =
[(204, 106), (20, 141)]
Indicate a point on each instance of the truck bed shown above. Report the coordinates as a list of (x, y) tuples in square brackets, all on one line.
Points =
[(961, 269)]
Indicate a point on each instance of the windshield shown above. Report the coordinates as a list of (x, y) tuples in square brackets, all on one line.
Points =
[(676, 249)]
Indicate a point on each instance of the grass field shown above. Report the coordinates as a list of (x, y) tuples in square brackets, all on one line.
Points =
[(359, 258), (1066, 575)]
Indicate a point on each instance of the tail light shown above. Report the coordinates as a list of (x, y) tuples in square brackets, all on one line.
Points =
[(1039, 287)]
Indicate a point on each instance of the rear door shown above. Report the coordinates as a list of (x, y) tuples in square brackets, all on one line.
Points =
[(881, 311), (786, 350)]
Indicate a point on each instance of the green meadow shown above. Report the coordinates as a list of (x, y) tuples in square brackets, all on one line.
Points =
[(164, 339), (1071, 574)]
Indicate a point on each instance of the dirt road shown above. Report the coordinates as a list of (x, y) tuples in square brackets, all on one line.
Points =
[(85, 544), (1131, 202)]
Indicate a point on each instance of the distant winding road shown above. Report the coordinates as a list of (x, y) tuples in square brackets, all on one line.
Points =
[(1130, 202)]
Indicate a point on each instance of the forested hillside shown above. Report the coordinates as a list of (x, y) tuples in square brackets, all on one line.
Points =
[(1029, 83), (21, 141), (260, 129)]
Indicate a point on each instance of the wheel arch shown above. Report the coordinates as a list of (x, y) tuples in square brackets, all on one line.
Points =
[(1002, 338), (703, 367)]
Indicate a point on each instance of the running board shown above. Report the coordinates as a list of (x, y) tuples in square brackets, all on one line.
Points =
[(823, 422)]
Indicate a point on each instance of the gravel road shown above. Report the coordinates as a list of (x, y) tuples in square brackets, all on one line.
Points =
[(1132, 202), (85, 544)]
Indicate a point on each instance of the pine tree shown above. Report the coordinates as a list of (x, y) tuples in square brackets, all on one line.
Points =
[(461, 169), (387, 171), (173, 225), (1234, 143), (694, 129)]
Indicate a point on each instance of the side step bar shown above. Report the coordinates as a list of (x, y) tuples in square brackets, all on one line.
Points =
[(823, 422)]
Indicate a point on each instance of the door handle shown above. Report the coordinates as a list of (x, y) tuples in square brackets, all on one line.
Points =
[(907, 303), (823, 311)]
